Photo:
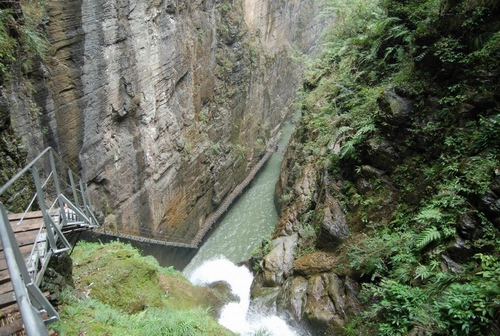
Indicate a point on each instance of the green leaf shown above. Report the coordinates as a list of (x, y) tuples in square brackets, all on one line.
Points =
[(427, 236)]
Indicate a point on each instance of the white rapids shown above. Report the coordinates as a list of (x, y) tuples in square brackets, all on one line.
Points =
[(235, 315)]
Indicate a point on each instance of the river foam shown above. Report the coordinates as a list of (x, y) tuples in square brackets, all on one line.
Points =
[(234, 315)]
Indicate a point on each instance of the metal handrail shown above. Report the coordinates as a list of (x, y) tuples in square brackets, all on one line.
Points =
[(33, 200), (33, 322), (26, 275)]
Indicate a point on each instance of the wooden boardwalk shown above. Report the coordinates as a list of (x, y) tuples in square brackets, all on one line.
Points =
[(26, 236), (149, 240), (214, 216)]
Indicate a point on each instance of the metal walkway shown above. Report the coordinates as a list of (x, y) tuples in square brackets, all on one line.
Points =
[(59, 207), (170, 239)]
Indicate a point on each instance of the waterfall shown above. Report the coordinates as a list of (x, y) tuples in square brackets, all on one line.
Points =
[(242, 229), (235, 315)]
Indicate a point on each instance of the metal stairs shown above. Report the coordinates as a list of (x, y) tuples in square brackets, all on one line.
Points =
[(60, 206)]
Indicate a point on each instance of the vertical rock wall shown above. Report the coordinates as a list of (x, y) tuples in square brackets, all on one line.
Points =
[(163, 106)]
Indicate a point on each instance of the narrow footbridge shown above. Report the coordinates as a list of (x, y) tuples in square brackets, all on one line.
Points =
[(180, 240), (33, 228), (213, 217)]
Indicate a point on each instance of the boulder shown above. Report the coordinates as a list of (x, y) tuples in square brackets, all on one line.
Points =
[(449, 265), (363, 185), (264, 300), (382, 154), (316, 262), (298, 297), (292, 297), (459, 250), (353, 304), (223, 291), (336, 291), (321, 301), (333, 230), (469, 226), (320, 309), (371, 172), (306, 184), (489, 203), (278, 263), (395, 109)]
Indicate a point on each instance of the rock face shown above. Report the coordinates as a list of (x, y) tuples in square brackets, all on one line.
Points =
[(333, 229), (163, 106), (12, 159), (309, 286), (277, 264)]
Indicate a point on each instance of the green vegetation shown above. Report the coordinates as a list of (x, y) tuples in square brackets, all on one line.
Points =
[(240, 151), (120, 292), (260, 252), (404, 100), (21, 33)]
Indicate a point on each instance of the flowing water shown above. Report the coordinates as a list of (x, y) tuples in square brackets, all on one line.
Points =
[(251, 219)]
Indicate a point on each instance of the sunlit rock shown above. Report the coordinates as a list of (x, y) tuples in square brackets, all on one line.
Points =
[(278, 264), (316, 262), (334, 229)]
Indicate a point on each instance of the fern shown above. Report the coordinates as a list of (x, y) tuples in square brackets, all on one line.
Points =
[(423, 272), (427, 236), (429, 214)]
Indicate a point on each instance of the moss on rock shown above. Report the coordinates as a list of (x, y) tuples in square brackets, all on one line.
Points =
[(118, 291)]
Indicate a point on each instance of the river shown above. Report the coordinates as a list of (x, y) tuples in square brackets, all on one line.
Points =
[(251, 219)]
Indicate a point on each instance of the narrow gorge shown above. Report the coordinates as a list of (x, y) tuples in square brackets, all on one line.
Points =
[(388, 194), (162, 106)]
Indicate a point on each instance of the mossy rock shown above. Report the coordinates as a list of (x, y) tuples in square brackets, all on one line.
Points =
[(118, 275), (123, 281)]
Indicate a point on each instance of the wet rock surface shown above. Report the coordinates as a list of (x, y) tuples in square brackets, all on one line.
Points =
[(223, 291)]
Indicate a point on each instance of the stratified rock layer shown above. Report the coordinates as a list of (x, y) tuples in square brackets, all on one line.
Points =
[(164, 106)]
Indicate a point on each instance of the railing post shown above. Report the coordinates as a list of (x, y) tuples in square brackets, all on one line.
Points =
[(89, 201), (84, 200), (58, 188), (33, 322), (73, 188), (49, 224), (88, 206)]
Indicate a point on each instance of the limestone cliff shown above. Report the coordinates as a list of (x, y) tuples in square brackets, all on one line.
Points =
[(163, 105)]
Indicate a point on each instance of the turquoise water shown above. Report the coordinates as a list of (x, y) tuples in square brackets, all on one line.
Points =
[(249, 220)]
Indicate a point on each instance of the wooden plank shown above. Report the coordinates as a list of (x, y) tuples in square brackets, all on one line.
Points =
[(10, 305), (27, 225), (13, 308), (30, 214), (25, 252), (12, 327), (4, 276), (7, 299), (6, 287), (25, 238)]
